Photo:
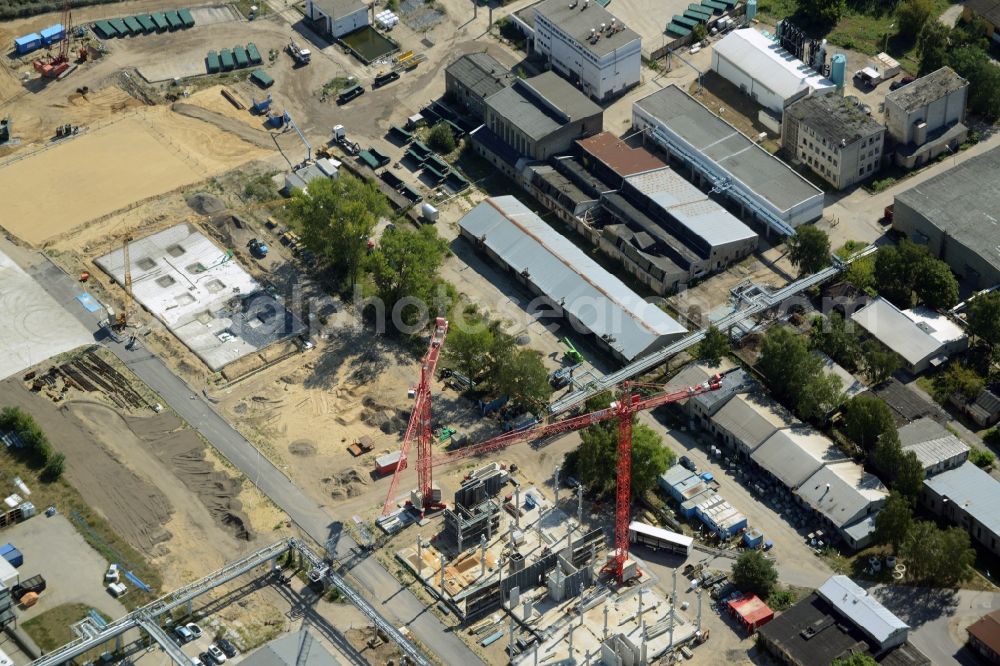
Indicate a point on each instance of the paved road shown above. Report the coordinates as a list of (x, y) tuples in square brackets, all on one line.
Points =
[(377, 584)]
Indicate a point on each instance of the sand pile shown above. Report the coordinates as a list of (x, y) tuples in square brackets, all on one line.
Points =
[(384, 417), (346, 483), (204, 203)]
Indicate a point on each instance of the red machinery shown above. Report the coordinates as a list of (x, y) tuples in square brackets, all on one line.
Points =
[(623, 409), (420, 426), (53, 67)]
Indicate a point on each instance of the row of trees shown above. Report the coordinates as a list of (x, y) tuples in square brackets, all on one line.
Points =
[(965, 49), (908, 271), (842, 341), (485, 353), (869, 424), (36, 443), (796, 377)]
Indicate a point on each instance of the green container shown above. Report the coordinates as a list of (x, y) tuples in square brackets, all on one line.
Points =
[(261, 78), (253, 54), (174, 21), (147, 24), (240, 55), (105, 30), (160, 20), (134, 27), (185, 16), (212, 63), (120, 27), (226, 56)]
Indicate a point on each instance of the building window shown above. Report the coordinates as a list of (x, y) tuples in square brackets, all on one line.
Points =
[(861, 171)]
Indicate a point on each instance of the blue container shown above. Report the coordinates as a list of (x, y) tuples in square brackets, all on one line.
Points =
[(12, 555), (53, 34), (28, 43)]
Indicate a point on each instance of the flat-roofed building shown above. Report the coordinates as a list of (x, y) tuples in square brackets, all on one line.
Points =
[(834, 137), (474, 77), (592, 300), (923, 338), (585, 43), (766, 72), (926, 117), (968, 497), (747, 420), (955, 215), (791, 455), (760, 185), (338, 17), (612, 160)]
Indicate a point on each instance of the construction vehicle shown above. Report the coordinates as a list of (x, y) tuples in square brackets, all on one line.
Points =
[(571, 354), (121, 320), (340, 139), (5, 129), (563, 376), (300, 55), (260, 107), (58, 65), (257, 249)]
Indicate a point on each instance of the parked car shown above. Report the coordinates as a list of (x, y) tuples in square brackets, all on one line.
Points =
[(195, 661), (688, 464), (183, 634), (205, 658), (572, 482), (228, 648), (896, 85), (217, 655), (194, 629)]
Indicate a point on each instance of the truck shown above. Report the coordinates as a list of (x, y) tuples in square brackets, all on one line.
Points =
[(300, 55), (340, 139), (884, 69), (257, 248)]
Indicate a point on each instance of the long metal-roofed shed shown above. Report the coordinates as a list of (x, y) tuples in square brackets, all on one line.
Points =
[(970, 498), (935, 446), (794, 454), (592, 299), (864, 611), (721, 156), (955, 215), (844, 493)]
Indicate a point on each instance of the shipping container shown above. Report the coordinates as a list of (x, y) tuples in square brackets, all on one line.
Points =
[(173, 20), (120, 27), (146, 21), (253, 54), (185, 16), (212, 62), (133, 24), (105, 30), (28, 43), (53, 34), (240, 56), (10, 553), (160, 20), (387, 464), (226, 56), (261, 78)]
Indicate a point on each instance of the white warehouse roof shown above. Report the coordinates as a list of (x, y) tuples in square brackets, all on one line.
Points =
[(913, 334), (843, 492), (767, 62), (866, 613), (565, 274), (794, 454)]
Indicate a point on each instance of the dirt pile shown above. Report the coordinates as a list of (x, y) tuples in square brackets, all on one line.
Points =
[(384, 417), (204, 203), (346, 483), (183, 450)]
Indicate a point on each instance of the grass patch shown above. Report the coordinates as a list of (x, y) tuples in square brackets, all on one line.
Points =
[(101, 537), (849, 248), (243, 7), (335, 85), (51, 629)]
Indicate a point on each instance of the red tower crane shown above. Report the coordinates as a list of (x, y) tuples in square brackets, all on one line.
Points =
[(56, 65), (420, 426), (622, 409)]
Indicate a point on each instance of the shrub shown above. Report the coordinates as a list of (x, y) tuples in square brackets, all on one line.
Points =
[(54, 467), (981, 458)]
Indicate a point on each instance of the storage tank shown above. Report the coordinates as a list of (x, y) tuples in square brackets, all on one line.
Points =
[(838, 70), (429, 212), (751, 10)]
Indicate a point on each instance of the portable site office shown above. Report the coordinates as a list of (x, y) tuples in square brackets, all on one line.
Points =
[(261, 78), (147, 24), (134, 27), (105, 30), (120, 27)]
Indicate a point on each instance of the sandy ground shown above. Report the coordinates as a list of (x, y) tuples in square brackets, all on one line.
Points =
[(143, 155)]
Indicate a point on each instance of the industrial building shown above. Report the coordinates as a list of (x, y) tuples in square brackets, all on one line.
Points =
[(472, 78), (923, 338), (582, 41), (935, 446), (838, 620), (592, 300), (845, 496), (954, 214), (203, 295), (765, 71), (747, 420), (834, 137), (988, 11), (292, 649), (535, 118), (337, 18), (926, 117), (300, 178), (984, 637), (612, 160), (704, 406), (970, 498), (697, 497), (792, 455), (721, 158)]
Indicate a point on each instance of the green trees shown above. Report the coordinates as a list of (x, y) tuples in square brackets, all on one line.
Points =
[(901, 271), (522, 376), (861, 273), (941, 557), (337, 218), (964, 49), (959, 379), (713, 347), (932, 45), (405, 266), (752, 572), (54, 467), (36, 443), (468, 347), (913, 16), (855, 660), (894, 521), (796, 377), (441, 138), (984, 318), (596, 462), (809, 249), (866, 418), (878, 361), (842, 342), (982, 458), (823, 12)]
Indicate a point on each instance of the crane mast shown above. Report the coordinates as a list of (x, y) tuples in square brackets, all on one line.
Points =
[(122, 319)]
